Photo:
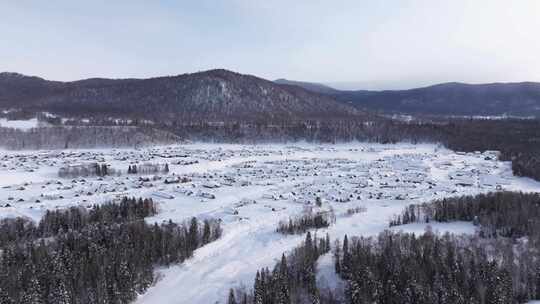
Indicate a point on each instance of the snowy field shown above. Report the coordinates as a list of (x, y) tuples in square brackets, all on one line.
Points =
[(252, 188), (24, 125)]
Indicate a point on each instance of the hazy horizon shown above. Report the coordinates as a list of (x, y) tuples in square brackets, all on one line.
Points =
[(359, 44)]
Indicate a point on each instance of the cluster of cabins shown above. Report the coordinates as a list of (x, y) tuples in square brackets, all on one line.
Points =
[(394, 177)]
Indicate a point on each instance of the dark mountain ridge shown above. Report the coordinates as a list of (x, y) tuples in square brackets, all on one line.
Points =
[(452, 98), (310, 86), (219, 95), (209, 95)]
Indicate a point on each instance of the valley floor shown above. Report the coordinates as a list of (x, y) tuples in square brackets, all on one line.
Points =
[(251, 189)]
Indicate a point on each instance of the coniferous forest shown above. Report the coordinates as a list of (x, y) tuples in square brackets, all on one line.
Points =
[(292, 280), (306, 221), (496, 265), (403, 268), (498, 214), (106, 254)]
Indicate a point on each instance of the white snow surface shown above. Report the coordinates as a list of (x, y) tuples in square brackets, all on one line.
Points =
[(256, 186), (19, 124)]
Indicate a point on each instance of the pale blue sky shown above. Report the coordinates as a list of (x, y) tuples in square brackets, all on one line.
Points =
[(374, 44)]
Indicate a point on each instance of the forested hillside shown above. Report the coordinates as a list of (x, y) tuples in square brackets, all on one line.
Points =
[(103, 255), (215, 95)]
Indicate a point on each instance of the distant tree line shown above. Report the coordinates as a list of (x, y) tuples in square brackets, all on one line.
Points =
[(505, 213), (91, 169), (103, 255), (83, 137), (292, 280), (103, 169), (526, 164), (20, 114), (518, 141), (306, 221), (148, 168)]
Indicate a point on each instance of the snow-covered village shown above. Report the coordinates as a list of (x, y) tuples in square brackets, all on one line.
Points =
[(270, 152), (250, 189)]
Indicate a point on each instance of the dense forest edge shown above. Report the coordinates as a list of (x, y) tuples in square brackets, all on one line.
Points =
[(105, 254), (495, 265)]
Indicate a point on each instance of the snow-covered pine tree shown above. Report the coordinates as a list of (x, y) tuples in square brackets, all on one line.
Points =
[(284, 296), (258, 290), (32, 293), (232, 299), (5, 298)]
